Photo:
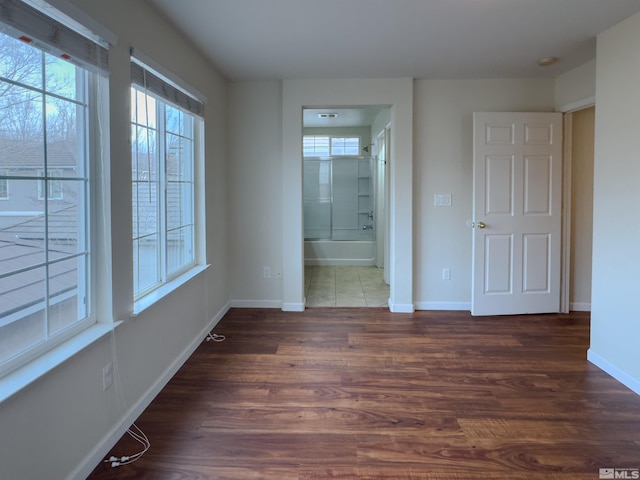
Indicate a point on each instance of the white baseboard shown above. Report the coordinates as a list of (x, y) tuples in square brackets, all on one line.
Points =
[(580, 307), (466, 306), (620, 375), (256, 304), (293, 307), (336, 262), (401, 307), (98, 453), (443, 306)]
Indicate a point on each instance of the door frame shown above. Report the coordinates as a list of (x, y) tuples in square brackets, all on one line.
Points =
[(393, 93), (565, 267), (567, 168), (383, 137)]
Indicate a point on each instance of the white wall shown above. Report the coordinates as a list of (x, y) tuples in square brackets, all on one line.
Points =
[(615, 316), (575, 86), (63, 424), (255, 193), (443, 161)]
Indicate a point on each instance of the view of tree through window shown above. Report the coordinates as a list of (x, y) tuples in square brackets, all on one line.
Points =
[(43, 183)]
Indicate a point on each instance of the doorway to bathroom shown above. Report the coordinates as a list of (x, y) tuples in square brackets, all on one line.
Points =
[(344, 183)]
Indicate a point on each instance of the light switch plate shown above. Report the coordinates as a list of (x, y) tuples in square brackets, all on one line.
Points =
[(442, 200)]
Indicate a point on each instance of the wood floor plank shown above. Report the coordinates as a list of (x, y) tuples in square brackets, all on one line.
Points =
[(330, 420), (494, 455), (173, 471), (361, 393), (410, 473)]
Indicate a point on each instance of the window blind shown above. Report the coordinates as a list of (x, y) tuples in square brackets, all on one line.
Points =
[(157, 85), (37, 28)]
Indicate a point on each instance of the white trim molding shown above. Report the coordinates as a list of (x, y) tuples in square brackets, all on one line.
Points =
[(443, 306), (580, 307), (577, 105), (401, 307), (565, 267), (620, 375), (293, 306), (256, 304), (21, 378)]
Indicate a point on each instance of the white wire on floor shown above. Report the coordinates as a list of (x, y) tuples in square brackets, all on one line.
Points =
[(214, 337), (137, 434)]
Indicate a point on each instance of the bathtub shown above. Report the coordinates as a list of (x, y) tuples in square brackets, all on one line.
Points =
[(341, 252)]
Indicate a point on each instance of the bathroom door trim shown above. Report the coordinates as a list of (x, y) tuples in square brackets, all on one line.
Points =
[(393, 93)]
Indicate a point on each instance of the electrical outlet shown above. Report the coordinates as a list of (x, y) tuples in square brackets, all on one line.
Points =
[(107, 375), (266, 272), (446, 274)]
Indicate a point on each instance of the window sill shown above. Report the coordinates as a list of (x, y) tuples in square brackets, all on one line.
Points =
[(149, 299), (24, 376)]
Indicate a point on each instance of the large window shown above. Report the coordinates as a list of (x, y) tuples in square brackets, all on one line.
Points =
[(163, 197), (45, 224)]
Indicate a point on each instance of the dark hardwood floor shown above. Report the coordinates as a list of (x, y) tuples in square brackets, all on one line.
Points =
[(366, 394)]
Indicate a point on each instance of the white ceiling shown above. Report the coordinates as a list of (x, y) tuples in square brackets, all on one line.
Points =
[(276, 39)]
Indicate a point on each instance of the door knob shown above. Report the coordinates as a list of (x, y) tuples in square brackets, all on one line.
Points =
[(481, 225)]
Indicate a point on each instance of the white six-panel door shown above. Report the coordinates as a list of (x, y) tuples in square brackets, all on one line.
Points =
[(517, 169)]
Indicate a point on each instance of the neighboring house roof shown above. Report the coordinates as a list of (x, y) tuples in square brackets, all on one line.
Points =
[(21, 154), (22, 245)]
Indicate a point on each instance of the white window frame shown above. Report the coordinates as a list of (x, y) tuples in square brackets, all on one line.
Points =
[(336, 139), (193, 107), (59, 36), (330, 140), (323, 139)]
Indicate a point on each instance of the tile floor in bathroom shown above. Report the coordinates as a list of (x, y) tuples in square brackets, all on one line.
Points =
[(345, 286)]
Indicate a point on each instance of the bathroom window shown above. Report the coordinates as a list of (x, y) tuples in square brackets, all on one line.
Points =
[(316, 146), (327, 145), (345, 146), (165, 156)]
